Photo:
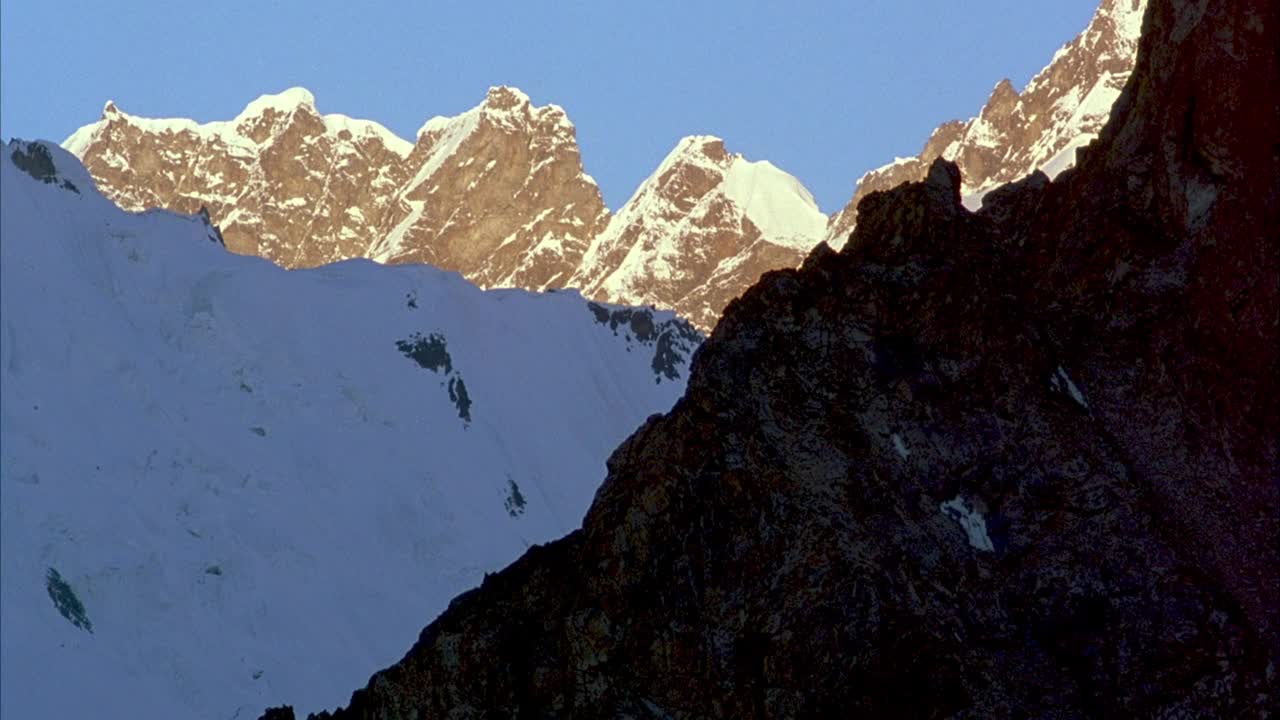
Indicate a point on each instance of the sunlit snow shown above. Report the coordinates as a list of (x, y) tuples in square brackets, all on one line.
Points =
[(230, 132)]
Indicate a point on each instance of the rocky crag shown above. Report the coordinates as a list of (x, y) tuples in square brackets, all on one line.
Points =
[(497, 193), (1013, 463)]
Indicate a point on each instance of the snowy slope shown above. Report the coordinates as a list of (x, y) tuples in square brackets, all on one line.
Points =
[(212, 467), (775, 202)]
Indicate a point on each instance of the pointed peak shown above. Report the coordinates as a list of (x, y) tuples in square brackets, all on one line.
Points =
[(504, 97), (282, 102), (110, 109), (1004, 88), (708, 146), (697, 150), (504, 106)]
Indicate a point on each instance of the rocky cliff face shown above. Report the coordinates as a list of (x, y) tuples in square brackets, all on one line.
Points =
[(1017, 463), (704, 226), (281, 180), (1061, 109), (497, 193)]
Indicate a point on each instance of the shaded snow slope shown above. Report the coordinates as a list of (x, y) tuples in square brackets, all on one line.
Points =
[(213, 467)]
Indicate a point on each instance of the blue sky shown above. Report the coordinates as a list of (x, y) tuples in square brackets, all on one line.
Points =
[(824, 90)]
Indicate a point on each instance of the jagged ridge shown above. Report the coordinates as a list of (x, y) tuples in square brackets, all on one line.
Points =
[(497, 193)]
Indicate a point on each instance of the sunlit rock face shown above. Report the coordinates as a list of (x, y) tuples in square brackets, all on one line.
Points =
[(497, 193)]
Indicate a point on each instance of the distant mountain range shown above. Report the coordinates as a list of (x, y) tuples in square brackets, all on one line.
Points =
[(499, 192)]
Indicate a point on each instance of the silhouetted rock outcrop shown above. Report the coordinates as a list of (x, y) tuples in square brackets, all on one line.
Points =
[(1018, 463)]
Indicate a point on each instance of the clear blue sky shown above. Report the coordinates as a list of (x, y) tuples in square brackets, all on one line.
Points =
[(825, 90)]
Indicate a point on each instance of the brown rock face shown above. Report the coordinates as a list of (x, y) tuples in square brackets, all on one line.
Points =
[(1018, 463), (1060, 110), (497, 193), (280, 180)]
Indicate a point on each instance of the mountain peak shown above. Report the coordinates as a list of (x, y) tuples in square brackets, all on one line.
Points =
[(708, 145), (282, 102), (694, 150), (503, 105), (704, 213), (110, 109), (505, 97), (1003, 90)]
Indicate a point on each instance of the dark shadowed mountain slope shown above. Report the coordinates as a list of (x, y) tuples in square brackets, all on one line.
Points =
[(1019, 463)]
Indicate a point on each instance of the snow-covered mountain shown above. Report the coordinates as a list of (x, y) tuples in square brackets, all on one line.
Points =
[(281, 180), (1061, 110), (212, 467), (499, 192), (699, 230)]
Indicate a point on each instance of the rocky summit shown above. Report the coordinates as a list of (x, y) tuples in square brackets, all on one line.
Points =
[(1013, 463), (497, 193)]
